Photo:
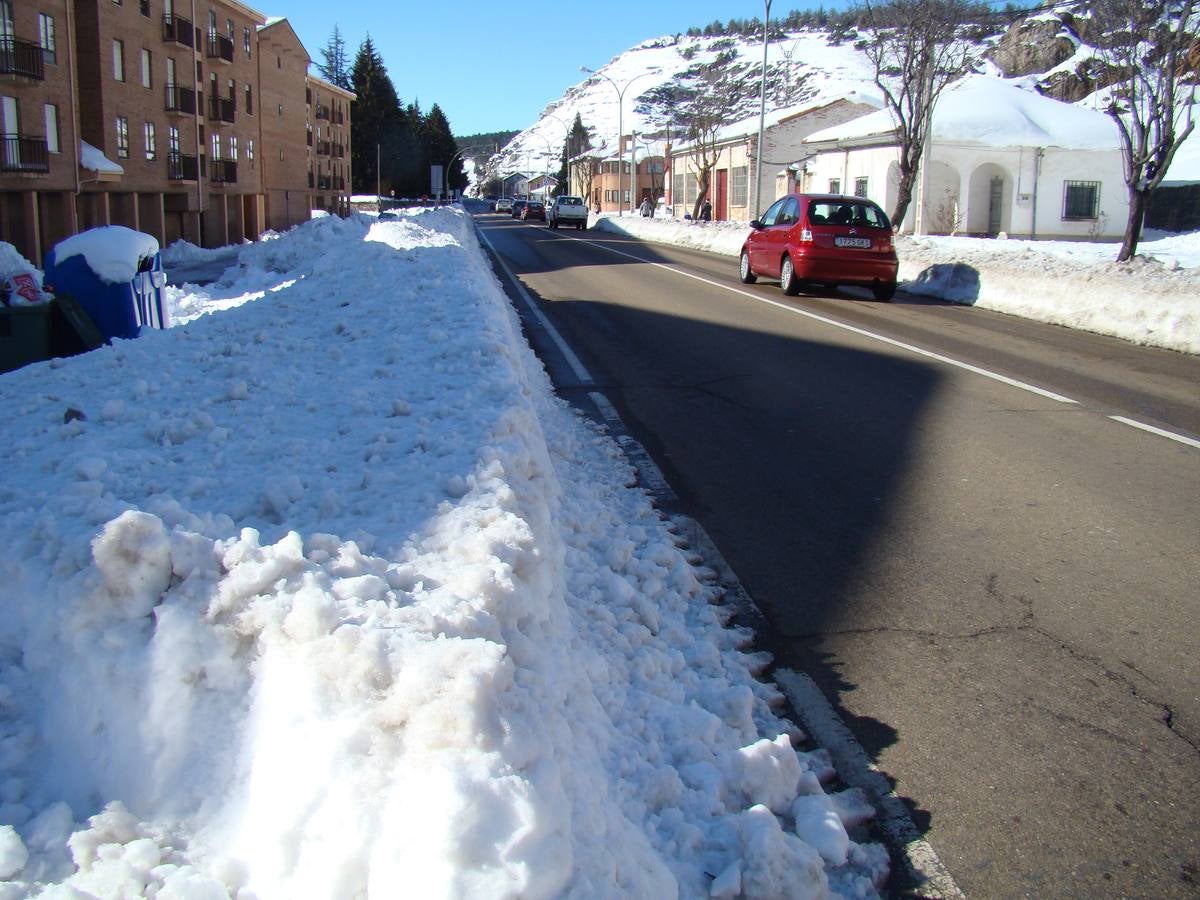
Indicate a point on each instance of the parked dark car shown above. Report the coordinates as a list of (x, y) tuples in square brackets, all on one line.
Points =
[(518, 207), (534, 209), (822, 239)]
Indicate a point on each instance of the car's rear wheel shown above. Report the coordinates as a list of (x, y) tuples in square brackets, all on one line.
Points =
[(745, 273), (884, 291), (787, 278)]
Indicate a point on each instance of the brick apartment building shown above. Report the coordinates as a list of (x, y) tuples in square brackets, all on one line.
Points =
[(191, 119)]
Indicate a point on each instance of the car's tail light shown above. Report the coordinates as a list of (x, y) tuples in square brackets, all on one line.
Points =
[(805, 236)]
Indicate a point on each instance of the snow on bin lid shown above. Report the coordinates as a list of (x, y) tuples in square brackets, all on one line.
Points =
[(113, 252)]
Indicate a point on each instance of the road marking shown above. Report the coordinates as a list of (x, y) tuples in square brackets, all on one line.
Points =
[(1191, 442), (931, 878), (582, 375), (986, 373)]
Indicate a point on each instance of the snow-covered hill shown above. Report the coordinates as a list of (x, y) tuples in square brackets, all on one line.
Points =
[(1050, 52)]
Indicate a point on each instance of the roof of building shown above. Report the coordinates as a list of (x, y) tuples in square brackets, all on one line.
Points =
[(990, 112)]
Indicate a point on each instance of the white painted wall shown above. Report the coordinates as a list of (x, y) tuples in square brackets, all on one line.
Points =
[(959, 183)]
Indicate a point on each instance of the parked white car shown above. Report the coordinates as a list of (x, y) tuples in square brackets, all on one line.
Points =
[(568, 211), (504, 205)]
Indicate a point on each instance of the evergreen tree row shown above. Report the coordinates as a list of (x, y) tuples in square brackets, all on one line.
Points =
[(392, 145)]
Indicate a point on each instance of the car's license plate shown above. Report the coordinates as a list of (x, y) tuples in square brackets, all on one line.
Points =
[(864, 243)]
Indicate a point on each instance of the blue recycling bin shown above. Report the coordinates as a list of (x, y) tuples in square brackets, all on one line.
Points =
[(116, 275)]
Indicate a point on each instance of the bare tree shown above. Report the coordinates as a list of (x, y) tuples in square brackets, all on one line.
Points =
[(698, 104), (1154, 47), (913, 48)]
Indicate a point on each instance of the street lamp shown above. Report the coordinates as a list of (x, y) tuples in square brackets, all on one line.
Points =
[(621, 127), (762, 114)]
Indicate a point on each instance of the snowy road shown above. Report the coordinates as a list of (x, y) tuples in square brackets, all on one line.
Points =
[(995, 586)]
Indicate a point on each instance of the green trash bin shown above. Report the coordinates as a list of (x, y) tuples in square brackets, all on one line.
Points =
[(26, 335)]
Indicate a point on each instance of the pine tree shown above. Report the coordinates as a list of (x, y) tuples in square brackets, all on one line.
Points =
[(334, 69), (375, 113), (440, 146)]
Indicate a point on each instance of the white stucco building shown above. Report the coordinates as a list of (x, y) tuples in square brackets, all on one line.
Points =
[(732, 190), (1001, 159)]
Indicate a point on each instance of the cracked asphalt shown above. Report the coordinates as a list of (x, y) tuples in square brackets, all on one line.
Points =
[(998, 592)]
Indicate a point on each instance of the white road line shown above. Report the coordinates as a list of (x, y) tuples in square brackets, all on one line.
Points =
[(582, 375), (986, 373), (1191, 442), (856, 769)]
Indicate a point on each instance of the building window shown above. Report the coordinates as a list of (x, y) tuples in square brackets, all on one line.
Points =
[(692, 190), (216, 146), (233, 148), (860, 187), (52, 137), (677, 188), (229, 29), (173, 140), (151, 141), (118, 59), (835, 185), (281, 109), (246, 41), (250, 149), (212, 21), (147, 78), (279, 62), (1081, 199), (46, 38), (144, 8), (249, 101), (122, 137), (739, 186)]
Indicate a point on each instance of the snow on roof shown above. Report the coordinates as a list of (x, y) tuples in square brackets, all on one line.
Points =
[(992, 112), (94, 160), (113, 252)]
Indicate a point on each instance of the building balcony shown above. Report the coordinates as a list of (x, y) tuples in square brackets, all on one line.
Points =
[(22, 58), (310, 179), (322, 148), (310, 138), (322, 112), (222, 171), (180, 100), (221, 110), (338, 117), (217, 46), (24, 154), (324, 182), (182, 168), (178, 30)]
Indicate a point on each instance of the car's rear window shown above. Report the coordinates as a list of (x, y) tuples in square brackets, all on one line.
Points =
[(838, 212), (570, 201)]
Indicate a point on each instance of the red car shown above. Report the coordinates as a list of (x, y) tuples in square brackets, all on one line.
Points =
[(534, 210), (823, 239)]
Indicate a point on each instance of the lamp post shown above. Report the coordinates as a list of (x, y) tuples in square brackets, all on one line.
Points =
[(762, 114), (620, 127)]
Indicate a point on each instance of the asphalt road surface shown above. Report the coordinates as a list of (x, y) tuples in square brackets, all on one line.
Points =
[(997, 589)]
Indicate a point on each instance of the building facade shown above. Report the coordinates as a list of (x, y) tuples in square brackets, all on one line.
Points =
[(161, 116), (732, 189)]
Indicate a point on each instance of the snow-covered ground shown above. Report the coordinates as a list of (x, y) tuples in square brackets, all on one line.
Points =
[(1154, 300), (322, 593)]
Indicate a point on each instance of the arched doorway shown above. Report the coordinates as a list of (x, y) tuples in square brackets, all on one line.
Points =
[(989, 207)]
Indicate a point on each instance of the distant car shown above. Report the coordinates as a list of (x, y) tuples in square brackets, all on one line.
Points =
[(504, 204), (518, 207), (534, 209), (822, 239), (567, 211)]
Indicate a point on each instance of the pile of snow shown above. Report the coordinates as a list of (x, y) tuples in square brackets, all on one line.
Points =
[(1154, 300), (325, 594)]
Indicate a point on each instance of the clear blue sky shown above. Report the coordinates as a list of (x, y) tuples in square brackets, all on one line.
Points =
[(494, 65)]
